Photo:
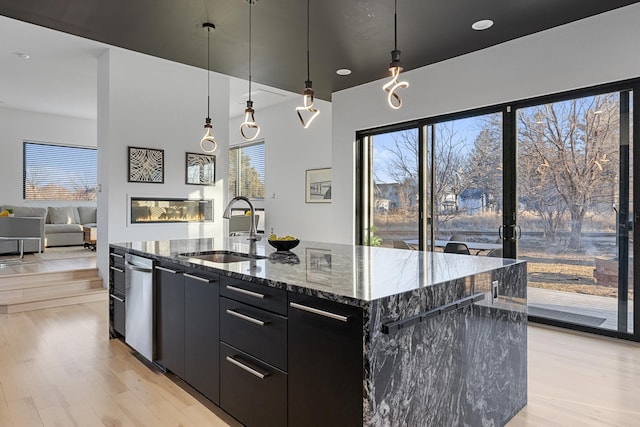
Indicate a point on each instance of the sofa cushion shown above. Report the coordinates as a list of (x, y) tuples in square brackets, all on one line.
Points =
[(87, 214), (64, 215), (62, 228), (26, 211)]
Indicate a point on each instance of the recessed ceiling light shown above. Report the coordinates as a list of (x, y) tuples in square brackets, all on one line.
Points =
[(483, 24), (21, 55), (343, 72)]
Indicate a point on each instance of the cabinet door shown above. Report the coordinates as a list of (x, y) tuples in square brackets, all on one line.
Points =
[(169, 292), (325, 363), (202, 334)]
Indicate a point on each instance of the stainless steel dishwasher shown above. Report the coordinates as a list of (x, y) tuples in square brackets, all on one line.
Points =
[(139, 305)]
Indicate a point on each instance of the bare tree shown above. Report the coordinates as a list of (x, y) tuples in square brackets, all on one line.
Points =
[(484, 166), (573, 147), (450, 162), (402, 168)]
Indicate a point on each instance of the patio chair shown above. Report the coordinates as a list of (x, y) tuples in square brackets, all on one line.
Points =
[(456, 248)]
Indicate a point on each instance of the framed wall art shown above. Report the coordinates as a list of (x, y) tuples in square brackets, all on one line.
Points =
[(146, 165), (200, 169), (318, 186)]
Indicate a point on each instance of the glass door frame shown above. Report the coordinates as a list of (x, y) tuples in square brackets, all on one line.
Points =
[(511, 197)]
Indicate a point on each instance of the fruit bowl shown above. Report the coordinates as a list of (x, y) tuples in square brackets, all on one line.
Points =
[(284, 245)]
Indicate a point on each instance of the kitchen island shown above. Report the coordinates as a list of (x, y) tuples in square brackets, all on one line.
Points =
[(340, 335)]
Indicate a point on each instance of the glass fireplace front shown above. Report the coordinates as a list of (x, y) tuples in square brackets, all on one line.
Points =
[(146, 210)]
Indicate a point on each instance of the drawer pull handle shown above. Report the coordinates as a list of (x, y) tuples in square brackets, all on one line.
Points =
[(245, 292), (319, 312), (201, 279), (119, 270), (117, 255), (247, 368), (247, 318), (116, 298), (168, 270)]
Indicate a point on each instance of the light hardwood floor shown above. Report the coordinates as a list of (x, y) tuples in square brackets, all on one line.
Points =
[(57, 368), (580, 380)]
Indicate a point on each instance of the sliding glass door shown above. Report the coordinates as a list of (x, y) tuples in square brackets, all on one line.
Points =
[(547, 180), (574, 180), (391, 184), (464, 173)]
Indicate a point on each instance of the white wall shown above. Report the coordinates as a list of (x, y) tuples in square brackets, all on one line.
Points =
[(289, 151), (17, 126), (584, 53), (150, 102)]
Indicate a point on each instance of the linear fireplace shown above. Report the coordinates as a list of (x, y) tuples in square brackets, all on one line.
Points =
[(145, 210)]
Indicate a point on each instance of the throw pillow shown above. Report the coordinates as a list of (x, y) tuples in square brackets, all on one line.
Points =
[(64, 215)]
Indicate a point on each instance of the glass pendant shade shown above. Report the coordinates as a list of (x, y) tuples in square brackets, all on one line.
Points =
[(208, 143), (392, 85), (249, 129), (306, 113)]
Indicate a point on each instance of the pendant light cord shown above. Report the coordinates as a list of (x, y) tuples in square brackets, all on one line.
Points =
[(395, 24), (250, 5), (308, 72), (208, 69)]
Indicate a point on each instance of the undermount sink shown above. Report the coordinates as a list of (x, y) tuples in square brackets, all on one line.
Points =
[(222, 256)]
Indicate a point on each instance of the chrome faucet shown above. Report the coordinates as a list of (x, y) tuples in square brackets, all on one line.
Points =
[(253, 234)]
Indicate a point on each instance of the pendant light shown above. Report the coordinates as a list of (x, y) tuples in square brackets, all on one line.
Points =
[(395, 67), (249, 129), (208, 143), (307, 95)]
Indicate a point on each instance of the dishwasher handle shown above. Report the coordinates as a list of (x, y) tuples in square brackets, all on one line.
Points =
[(134, 267)]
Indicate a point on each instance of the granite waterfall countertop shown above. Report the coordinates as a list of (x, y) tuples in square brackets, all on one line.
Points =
[(350, 273)]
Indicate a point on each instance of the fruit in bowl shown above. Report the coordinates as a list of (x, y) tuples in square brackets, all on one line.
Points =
[(283, 244)]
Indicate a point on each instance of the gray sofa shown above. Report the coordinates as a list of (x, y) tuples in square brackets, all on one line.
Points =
[(63, 226), (59, 225)]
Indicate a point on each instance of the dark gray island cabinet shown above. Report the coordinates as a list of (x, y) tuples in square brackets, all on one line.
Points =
[(344, 336)]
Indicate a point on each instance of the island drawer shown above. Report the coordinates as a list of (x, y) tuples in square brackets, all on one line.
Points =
[(116, 258), (118, 313), (252, 391), (262, 296), (117, 279), (258, 332)]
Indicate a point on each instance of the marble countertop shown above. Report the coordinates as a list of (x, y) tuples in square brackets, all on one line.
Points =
[(357, 273)]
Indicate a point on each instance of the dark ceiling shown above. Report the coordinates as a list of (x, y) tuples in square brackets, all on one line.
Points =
[(354, 34)]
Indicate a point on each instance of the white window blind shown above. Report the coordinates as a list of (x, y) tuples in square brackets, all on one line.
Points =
[(246, 170), (59, 172)]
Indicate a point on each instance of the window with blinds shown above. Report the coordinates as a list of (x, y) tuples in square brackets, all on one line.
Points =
[(59, 172), (246, 170)]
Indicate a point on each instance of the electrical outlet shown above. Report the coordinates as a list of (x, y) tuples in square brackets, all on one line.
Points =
[(273, 195)]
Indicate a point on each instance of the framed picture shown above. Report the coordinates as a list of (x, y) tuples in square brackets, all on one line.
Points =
[(146, 165), (318, 186), (319, 265), (200, 169)]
